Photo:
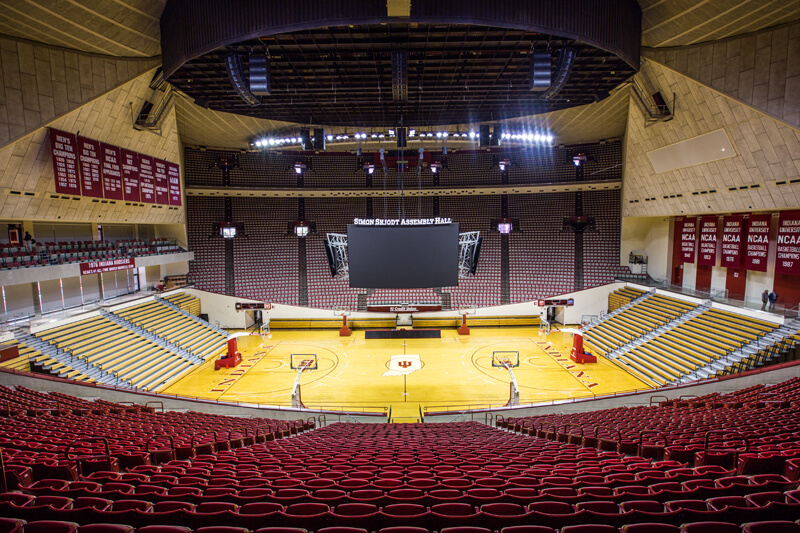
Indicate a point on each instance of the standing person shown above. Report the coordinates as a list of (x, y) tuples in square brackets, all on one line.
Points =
[(773, 299), (27, 238), (764, 299)]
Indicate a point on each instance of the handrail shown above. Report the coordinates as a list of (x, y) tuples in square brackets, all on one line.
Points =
[(569, 425), (322, 419), (213, 432), (78, 457), (735, 451), (652, 432), (658, 396), (3, 482), (156, 402), (159, 437), (610, 429)]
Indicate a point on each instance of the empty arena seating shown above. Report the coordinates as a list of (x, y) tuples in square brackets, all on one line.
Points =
[(207, 271), (188, 303), (59, 253), (177, 327), (31, 359), (576, 472), (623, 296), (115, 354)]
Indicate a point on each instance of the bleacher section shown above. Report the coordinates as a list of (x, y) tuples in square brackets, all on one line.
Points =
[(187, 302), (627, 469), (621, 297), (172, 325), (695, 348), (31, 359), (114, 354)]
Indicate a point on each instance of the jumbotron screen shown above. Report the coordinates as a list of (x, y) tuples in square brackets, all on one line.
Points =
[(403, 257)]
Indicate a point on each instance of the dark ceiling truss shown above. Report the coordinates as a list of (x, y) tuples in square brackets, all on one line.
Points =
[(456, 74)]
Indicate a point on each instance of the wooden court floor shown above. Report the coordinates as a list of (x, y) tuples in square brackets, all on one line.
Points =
[(451, 373)]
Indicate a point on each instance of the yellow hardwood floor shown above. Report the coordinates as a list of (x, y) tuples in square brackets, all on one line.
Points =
[(454, 372)]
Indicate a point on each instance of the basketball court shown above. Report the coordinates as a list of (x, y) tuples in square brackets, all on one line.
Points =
[(451, 373)]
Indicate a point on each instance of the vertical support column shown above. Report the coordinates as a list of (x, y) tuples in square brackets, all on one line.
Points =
[(505, 280), (579, 240), (37, 298), (230, 284), (302, 265)]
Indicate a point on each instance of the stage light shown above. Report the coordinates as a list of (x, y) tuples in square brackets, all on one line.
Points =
[(472, 134), (549, 139), (438, 134), (445, 134), (299, 168), (371, 169), (435, 167), (329, 137), (381, 135), (502, 166), (374, 135), (411, 133), (504, 227), (391, 133), (578, 159)]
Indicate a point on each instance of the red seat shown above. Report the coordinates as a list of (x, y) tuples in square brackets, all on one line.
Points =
[(650, 528), (51, 526), (710, 527), (357, 515), (405, 514), (771, 526), (105, 528), (500, 515)]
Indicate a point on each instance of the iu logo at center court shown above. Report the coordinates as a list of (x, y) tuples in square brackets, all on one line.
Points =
[(403, 364)]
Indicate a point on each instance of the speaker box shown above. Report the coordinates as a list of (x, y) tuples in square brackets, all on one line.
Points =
[(540, 71), (401, 137), (484, 135), (319, 139), (305, 139), (260, 83)]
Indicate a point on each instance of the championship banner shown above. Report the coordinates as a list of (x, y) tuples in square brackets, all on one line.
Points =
[(174, 177), (112, 173), (732, 226), (89, 161), (686, 232), (755, 252), (787, 256), (110, 265), (147, 180), (130, 175), (708, 241), (162, 185), (64, 147)]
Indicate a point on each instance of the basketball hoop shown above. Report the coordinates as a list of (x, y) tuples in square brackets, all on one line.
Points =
[(264, 330), (465, 310), (343, 311)]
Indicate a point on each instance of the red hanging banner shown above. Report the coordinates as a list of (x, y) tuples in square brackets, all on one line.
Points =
[(686, 233), (112, 173), (174, 176), (755, 253), (732, 233), (787, 255), (89, 160), (708, 241), (162, 186), (130, 175), (147, 182), (64, 147)]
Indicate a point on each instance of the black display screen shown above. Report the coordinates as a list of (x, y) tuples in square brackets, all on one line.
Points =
[(403, 257)]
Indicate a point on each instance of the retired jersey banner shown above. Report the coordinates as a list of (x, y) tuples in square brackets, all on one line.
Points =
[(112, 173), (787, 256), (89, 161), (755, 251), (65, 162), (686, 232), (174, 176), (708, 241), (130, 175), (732, 232)]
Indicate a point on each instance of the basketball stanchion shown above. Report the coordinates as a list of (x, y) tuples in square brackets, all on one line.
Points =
[(508, 360), (264, 330), (465, 310), (343, 311)]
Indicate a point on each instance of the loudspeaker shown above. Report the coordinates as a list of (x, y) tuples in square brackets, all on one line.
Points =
[(497, 135), (401, 137), (540, 71), (319, 139), (484, 135), (305, 139), (260, 82), (233, 64)]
